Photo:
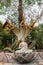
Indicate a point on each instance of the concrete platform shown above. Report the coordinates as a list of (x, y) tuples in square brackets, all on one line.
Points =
[(9, 59)]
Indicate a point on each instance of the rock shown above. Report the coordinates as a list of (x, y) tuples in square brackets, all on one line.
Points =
[(24, 57)]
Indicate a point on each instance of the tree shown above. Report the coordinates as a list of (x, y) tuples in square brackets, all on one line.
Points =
[(20, 11), (24, 29)]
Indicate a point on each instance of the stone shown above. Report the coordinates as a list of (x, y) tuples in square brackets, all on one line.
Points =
[(24, 55)]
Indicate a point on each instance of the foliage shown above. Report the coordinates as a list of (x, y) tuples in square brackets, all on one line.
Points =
[(5, 3), (37, 35), (33, 1)]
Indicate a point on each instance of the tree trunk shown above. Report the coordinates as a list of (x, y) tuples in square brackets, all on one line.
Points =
[(20, 11)]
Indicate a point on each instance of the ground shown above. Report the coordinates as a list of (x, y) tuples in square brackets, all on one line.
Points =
[(9, 58)]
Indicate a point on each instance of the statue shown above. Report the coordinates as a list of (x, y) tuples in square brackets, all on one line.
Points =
[(24, 55)]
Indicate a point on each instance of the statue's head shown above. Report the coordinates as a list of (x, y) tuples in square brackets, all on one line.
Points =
[(23, 45)]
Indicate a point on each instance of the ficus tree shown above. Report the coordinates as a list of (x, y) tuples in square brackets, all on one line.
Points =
[(23, 30)]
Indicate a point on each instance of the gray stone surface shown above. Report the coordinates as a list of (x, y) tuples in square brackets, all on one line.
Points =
[(24, 57), (10, 58)]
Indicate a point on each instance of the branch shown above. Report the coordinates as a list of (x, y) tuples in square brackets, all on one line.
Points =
[(34, 21)]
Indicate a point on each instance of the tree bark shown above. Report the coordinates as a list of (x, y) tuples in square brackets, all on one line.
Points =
[(20, 11)]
